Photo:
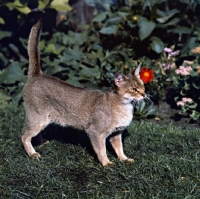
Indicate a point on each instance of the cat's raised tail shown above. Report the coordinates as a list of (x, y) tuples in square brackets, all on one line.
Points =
[(33, 43)]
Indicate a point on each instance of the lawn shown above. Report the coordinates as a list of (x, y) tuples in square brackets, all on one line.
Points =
[(167, 163)]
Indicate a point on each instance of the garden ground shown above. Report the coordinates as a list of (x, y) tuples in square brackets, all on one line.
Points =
[(166, 163)]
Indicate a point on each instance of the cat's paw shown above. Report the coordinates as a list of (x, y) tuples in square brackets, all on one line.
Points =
[(35, 156), (108, 164), (129, 160), (44, 141)]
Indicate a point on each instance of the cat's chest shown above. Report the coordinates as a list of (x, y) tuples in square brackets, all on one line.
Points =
[(123, 116)]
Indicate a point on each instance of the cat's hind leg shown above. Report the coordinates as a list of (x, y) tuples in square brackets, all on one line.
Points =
[(31, 129), (116, 142)]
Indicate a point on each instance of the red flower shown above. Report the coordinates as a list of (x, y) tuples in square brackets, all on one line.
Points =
[(146, 75)]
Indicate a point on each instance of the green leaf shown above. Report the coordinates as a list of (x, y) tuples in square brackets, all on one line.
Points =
[(115, 20), (19, 6), (141, 106), (157, 45), (60, 5), (12, 74), (88, 73), (192, 106), (43, 4), (195, 85), (189, 44), (172, 22), (122, 14), (17, 96), (54, 68), (186, 86), (145, 27), (105, 3), (24, 10), (181, 30), (100, 17), (14, 48), (151, 112), (54, 48), (3, 60), (4, 96), (4, 34), (195, 115), (166, 15), (2, 21), (109, 30), (74, 81)]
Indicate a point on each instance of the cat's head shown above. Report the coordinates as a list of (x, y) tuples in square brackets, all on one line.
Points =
[(129, 87)]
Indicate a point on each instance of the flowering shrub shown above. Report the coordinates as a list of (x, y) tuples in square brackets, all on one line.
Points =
[(187, 88), (164, 71), (168, 58), (188, 106), (178, 85)]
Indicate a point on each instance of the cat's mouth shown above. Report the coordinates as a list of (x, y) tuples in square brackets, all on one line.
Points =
[(136, 100)]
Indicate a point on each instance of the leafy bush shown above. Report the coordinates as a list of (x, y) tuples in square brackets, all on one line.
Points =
[(116, 38), (13, 43), (178, 85)]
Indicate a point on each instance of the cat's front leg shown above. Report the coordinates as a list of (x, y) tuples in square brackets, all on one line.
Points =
[(116, 142), (99, 146)]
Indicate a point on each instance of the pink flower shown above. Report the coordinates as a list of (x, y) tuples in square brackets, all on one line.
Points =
[(189, 68), (182, 70), (180, 103), (175, 53), (168, 50), (185, 99)]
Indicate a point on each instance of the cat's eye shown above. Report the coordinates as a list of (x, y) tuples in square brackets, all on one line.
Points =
[(135, 89)]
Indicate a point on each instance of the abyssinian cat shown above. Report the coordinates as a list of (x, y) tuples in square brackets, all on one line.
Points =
[(100, 114)]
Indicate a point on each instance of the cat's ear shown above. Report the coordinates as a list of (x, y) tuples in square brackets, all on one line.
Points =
[(120, 78), (136, 72)]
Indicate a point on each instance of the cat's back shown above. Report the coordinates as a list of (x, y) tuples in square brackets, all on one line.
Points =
[(53, 89)]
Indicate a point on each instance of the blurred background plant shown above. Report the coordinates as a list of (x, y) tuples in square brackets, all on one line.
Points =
[(86, 42)]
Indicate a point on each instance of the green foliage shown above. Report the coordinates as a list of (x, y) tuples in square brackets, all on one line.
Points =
[(16, 4), (166, 163), (14, 79), (144, 110), (13, 60)]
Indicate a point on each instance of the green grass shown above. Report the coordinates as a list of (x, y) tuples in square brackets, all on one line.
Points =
[(167, 163)]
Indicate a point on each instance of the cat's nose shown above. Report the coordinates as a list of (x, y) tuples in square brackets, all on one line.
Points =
[(143, 95)]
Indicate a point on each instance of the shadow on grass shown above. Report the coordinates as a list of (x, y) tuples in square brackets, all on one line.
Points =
[(72, 136)]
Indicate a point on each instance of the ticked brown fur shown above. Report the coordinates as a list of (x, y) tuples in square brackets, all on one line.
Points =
[(100, 114)]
